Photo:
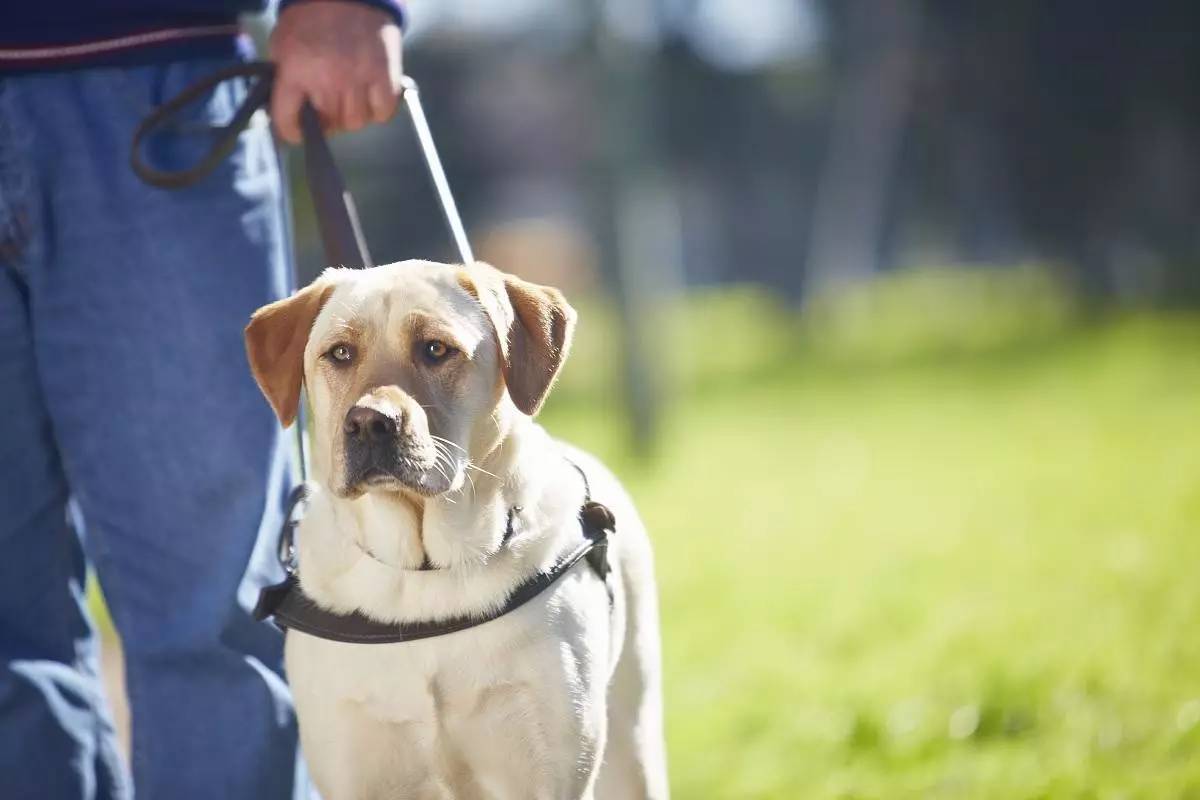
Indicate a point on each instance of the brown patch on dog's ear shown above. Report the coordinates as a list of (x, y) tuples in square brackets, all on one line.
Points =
[(534, 325), (538, 341), (275, 341)]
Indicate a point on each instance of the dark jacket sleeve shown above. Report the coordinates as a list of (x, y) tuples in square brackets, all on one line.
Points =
[(393, 7)]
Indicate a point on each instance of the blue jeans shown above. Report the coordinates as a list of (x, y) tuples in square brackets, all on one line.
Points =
[(133, 438)]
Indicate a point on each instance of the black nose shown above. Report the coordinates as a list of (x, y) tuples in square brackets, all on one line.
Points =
[(368, 424)]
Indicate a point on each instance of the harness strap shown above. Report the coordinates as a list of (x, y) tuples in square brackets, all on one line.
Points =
[(292, 609)]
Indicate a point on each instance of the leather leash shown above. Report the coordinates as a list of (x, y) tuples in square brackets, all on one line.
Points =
[(337, 216)]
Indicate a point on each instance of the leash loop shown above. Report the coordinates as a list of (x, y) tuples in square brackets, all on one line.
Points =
[(260, 74), (337, 217)]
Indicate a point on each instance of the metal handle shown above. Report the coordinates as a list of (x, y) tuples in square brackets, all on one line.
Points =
[(412, 101)]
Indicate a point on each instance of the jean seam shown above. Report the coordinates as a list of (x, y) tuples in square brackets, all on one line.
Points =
[(16, 189)]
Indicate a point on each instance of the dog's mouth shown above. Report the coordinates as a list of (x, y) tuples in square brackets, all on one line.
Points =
[(369, 470)]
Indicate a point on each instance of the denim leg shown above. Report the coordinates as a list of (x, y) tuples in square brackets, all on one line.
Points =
[(172, 455), (56, 737)]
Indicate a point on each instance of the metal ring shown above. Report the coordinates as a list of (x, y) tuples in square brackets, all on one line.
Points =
[(286, 551)]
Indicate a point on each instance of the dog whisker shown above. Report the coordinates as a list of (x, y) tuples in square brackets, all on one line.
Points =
[(441, 452), (470, 465), (437, 465), (448, 442)]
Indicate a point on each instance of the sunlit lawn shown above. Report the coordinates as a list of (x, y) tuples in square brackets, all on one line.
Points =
[(971, 575)]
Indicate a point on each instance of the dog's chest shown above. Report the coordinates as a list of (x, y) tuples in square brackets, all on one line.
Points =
[(470, 676), (499, 705)]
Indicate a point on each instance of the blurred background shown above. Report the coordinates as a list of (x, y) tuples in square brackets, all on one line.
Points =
[(889, 321)]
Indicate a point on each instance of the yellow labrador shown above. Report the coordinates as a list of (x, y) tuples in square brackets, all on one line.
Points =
[(437, 496)]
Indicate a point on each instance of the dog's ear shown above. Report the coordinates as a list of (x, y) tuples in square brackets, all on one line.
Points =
[(538, 341), (275, 341), (533, 324)]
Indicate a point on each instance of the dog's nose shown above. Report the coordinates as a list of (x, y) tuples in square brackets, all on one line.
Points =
[(368, 424)]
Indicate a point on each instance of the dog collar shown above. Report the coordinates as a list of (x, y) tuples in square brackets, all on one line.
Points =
[(287, 605)]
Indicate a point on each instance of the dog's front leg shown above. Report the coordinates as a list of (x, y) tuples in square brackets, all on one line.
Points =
[(547, 761), (540, 731), (356, 756)]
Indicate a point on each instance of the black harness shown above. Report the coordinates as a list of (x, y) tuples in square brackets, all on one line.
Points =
[(290, 608)]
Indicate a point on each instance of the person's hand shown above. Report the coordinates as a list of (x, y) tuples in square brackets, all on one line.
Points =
[(343, 56)]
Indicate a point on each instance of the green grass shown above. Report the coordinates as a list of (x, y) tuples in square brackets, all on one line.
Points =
[(942, 570)]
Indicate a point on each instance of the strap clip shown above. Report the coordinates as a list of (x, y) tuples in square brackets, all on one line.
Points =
[(598, 524), (293, 513)]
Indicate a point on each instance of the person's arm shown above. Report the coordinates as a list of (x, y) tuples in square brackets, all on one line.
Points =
[(343, 55)]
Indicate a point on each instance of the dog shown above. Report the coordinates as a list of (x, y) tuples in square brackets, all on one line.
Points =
[(435, 496)]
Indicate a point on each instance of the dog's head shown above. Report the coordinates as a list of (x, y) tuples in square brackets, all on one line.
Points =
[(412, 369)]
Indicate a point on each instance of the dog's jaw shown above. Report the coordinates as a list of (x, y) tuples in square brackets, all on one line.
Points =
[(364, 553)]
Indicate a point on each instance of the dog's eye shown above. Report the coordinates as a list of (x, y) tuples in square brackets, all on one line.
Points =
[(436, 352), (341, 353)]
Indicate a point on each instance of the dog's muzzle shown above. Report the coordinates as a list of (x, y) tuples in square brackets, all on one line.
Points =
[(379, 449)]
